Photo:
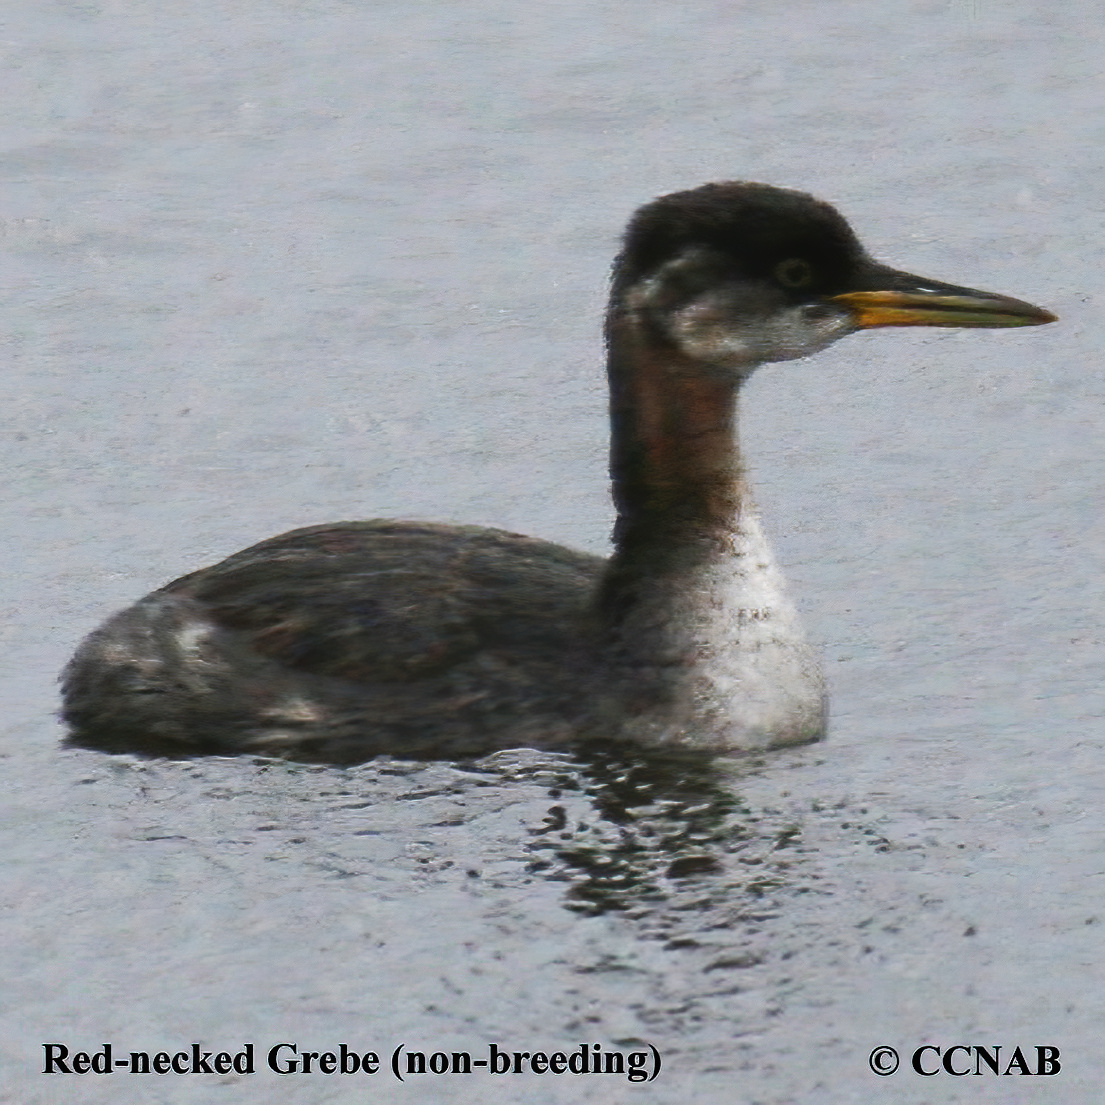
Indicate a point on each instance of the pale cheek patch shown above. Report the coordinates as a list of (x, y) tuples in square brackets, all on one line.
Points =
[(712, 330), (737, 324), (704, 331)]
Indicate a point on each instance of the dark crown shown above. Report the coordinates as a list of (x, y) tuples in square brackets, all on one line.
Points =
[(757, 226)]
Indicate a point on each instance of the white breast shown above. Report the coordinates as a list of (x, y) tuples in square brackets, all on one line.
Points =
[(726, 639)]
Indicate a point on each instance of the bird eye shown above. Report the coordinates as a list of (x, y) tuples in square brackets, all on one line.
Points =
[(794, 273)]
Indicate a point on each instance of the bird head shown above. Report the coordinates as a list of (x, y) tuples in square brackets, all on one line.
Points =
[(733, 275)]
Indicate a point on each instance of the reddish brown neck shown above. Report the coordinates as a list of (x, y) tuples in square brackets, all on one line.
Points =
[(674, 460)]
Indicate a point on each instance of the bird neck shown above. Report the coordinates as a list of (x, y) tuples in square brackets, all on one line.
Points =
[(674, 458), (691, 605)]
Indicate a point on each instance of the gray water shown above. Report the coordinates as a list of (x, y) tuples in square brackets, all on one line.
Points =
[(275, 263)]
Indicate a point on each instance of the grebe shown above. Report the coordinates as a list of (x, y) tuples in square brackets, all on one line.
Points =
[(341, 642)]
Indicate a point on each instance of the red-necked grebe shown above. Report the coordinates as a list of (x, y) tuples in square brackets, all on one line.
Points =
[(340, 642)]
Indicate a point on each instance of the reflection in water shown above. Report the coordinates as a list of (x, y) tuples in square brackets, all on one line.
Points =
[(665, 839), (631, 831)]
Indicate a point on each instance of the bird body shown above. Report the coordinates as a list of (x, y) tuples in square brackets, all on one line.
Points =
[(345, 641)]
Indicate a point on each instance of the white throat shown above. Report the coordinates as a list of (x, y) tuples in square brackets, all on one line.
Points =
[(725, 638)]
